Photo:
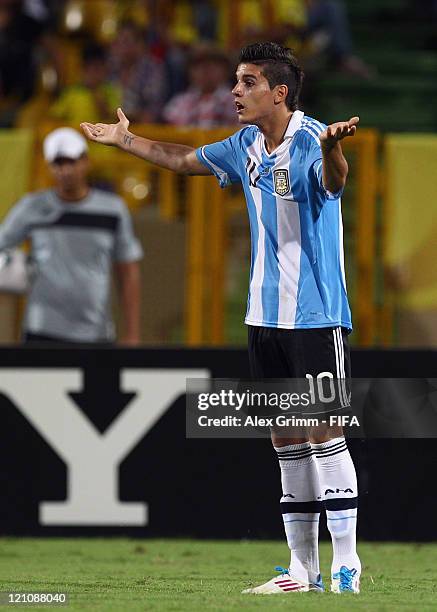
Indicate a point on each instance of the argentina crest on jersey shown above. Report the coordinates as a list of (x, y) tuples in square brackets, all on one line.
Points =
[(282, 181)]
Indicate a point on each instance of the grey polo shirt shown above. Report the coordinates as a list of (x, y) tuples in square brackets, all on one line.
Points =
[(73, 248)]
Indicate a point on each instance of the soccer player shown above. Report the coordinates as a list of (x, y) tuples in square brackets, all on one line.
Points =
[(293, 172)]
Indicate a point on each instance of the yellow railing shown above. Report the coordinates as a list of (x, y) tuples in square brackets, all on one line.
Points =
[(365, 146), (206, 207)]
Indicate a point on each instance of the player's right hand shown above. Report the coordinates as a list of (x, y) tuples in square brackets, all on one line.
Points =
[(107, 133)]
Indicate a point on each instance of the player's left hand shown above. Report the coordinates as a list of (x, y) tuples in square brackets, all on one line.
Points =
[(338, 131)]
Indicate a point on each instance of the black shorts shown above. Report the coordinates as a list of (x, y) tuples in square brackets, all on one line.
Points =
[(318, 353), (294, 353)]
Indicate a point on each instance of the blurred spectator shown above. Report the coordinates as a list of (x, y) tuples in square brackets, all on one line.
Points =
[(19, 36), (37, 9), (47, 11), (328, 28), (319, 28), (171, 51), (206, 19), (27, 44), (208, 102), (94, 96), (172, 28), (140, 76), (194, 21), (77, 234)]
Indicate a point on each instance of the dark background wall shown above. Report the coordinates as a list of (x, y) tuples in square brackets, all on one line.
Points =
[(203, 488)]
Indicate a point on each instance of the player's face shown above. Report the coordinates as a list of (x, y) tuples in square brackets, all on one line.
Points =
[(254, 100), (70, 174)]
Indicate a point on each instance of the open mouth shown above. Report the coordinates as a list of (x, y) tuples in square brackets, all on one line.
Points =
[(239, 107)]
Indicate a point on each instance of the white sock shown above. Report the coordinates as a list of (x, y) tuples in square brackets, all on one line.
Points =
[(301, 506), (338, 482)]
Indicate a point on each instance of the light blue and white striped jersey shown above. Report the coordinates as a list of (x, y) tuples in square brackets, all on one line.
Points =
[(297, 278)]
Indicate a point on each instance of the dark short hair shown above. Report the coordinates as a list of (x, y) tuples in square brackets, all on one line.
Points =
[(279, 66)]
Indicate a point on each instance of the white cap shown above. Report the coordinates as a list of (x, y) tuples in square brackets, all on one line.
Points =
[(64, 142)]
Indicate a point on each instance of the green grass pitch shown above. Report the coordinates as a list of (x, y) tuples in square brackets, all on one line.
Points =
[(124, 574)]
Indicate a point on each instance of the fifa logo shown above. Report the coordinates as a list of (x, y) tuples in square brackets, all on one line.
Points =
[(282, 182)]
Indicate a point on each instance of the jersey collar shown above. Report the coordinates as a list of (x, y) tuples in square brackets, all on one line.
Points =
[(294, 124)]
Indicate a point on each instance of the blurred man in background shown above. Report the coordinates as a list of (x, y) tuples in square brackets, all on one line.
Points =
[(208, 101), (77, 233)]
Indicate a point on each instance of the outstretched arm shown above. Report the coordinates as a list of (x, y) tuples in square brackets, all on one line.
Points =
[(335, 168), (179, 158)]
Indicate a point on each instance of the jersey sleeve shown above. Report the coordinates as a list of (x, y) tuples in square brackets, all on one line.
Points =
[(314, 167), (127, 246), (16, 226), (317, 178), (221, 159)]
